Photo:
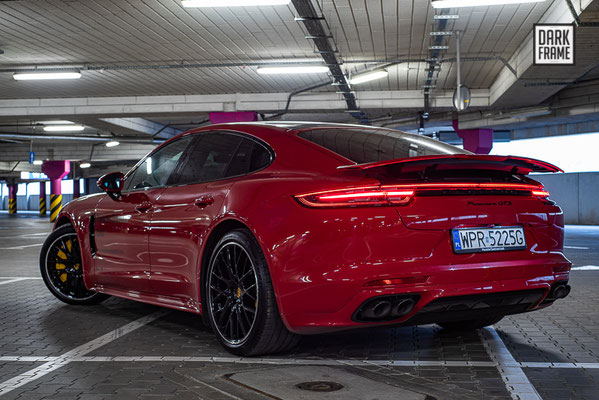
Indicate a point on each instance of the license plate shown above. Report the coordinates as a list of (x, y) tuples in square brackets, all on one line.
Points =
[(476, 240)]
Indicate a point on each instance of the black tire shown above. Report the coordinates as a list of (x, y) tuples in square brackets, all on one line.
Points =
[(62, 271), (470, 324), (238, 281)]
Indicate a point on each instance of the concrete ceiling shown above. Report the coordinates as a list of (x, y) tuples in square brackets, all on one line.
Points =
[(152, 32), (138, 85)]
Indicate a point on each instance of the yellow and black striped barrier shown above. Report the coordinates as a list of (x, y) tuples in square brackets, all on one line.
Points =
[(12, 206), (55, 206), (42, 206)]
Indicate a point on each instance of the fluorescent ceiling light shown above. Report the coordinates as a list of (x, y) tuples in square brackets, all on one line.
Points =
[(446, 16), (442, 33), (38, 162), (294, 60), (56, 122), (33, 76), (369, 76), (112, 143), (64, 128), (295, 69), (476, 3), (233, 3), (438, 47), (530, 112), (85, 165)]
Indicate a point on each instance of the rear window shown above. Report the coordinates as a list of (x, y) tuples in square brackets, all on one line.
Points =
[(365, 145)]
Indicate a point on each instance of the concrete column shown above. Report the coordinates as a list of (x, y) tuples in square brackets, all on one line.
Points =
[(56, 170), (479, 141), (76, 189), (42, 199), (12, 197)]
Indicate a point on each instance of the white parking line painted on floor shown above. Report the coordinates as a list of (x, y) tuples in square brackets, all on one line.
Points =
[(299, 361), (515, 379), (60, 361), (576, 247), (586, 268), (21, 247), (12, 280), (296, 361), (20, 277)]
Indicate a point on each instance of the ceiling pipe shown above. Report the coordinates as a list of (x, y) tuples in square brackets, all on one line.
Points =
[(77, 138), (327, 83), (40, 68)]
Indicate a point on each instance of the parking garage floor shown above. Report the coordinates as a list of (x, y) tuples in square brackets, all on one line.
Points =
[(127, 350)]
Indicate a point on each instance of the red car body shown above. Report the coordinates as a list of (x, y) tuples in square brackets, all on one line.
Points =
[(152, 245)]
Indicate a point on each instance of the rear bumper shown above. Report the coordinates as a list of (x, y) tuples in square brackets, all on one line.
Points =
[(444, 302)]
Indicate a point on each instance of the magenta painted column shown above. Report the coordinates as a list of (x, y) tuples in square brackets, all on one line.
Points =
[(56, 170), (42, 199), (479, 141), (12, 197), (76, 189), (237, 116)]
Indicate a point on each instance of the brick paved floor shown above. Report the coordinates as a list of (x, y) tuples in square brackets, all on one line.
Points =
[(39, 328)]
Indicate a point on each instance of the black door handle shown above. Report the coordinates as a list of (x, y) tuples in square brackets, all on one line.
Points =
[(143, 207), (204, 201)]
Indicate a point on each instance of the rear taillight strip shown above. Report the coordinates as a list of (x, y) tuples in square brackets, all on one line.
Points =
[(395, 195), (360, 196)]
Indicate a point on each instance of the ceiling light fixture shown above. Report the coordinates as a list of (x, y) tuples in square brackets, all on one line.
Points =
[(34, 76), (56, 122), (446, 16), (477, 3), (232, 3), (38, 162), (112, 143), (369, 76), (295, 69), (85, 165), (441, 33), (438, 47), (64, 128)]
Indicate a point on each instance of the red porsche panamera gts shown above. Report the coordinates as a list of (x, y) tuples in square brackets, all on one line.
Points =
[(271, 230)]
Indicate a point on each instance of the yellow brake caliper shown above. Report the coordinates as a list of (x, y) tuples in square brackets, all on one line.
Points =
[(59, 265)]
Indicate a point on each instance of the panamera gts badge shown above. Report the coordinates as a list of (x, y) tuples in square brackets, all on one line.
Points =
[(496, 203)]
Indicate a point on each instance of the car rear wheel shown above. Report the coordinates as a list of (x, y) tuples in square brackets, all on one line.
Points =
[(61, 268), (241, 304), (471, 324)]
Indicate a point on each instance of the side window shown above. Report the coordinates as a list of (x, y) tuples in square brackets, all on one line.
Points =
[(250, 156), (209, 158), (156, 169), (219, 155)]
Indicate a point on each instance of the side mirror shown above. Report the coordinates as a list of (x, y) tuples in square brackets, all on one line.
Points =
[(112, 184)]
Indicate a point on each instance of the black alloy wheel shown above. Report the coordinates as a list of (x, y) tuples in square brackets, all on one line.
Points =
[(241, 305), (233, 293), (62, 270)]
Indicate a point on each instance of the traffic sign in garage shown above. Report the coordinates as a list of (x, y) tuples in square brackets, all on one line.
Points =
[(299, 199)]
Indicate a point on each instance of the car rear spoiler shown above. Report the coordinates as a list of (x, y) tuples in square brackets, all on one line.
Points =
[(519, 165)]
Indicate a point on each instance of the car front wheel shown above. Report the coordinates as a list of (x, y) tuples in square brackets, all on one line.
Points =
[(62, 270), (241, 304)]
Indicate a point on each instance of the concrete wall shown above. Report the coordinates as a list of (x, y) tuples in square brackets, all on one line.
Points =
[(576, 193)]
